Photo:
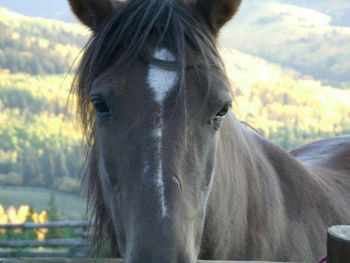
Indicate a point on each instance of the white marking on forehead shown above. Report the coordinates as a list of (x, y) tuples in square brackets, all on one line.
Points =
[(161, 81)]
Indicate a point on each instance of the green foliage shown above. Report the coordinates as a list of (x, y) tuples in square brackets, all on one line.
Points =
[(11, 179), (24, 216), (68, 184), (286, 107), (54, 215), (37, 46), (70, 206), (40, 140), (296, 36)]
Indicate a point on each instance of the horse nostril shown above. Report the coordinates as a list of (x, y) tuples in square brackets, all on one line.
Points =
[(176, 180)]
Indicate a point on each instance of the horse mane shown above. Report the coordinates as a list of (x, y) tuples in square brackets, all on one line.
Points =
[(171, 23)]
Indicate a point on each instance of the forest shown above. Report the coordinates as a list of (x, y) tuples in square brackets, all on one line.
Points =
[(40, 139), (38, 46)]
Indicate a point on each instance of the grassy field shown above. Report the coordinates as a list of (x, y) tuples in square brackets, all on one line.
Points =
[(71, 206)]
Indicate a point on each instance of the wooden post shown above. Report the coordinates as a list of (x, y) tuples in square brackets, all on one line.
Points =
[(338, 247)]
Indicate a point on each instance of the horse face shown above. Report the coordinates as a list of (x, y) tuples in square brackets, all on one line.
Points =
[(156, 153), (155, 133)]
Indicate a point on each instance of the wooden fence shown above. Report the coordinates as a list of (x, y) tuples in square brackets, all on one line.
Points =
[(64, 247), (338, 245)]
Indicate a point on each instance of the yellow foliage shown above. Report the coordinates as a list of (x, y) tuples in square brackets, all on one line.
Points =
[(284, 105), (43, 43), (12, 215), (40, 218), (21, 216), (15, 36), (3, 218), (23, 213), (17, 216), (5, 71)]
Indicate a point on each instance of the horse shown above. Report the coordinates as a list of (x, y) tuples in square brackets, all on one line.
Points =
[(172, 175)]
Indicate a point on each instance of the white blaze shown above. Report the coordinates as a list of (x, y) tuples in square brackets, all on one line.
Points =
[(161, 81)]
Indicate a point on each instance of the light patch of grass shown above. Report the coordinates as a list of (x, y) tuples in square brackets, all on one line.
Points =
[(71, 206)]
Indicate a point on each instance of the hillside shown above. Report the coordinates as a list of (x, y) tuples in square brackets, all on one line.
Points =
[(54, 9), (59, 9), (40, 143), (294, 36), (284, 105), (338, 9), (37, 45), (311, 37)]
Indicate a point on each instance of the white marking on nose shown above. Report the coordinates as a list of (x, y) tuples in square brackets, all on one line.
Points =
[(161, 81)]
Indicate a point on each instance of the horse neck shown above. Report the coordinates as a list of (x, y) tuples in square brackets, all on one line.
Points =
[(255, 163), (254, 181)]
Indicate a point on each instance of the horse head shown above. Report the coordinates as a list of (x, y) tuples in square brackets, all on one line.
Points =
[(153, 97)]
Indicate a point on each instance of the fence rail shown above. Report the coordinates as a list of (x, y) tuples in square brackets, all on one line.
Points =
[(338, 246), (51, 225), (67, 242), (62, 247)]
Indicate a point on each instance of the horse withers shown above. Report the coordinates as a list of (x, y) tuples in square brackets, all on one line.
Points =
[(172, 175)]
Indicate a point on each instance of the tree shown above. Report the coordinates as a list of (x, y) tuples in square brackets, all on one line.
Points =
[(54, 215)]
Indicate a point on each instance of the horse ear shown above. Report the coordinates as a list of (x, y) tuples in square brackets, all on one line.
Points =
[(93, 12), (217, 12)]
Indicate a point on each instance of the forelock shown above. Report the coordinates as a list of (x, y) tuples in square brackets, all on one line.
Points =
[(136, 30)]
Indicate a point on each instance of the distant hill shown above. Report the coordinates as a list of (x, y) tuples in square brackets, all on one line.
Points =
[(41, 143), (38, 45), (59, 9), (311, 37), (339, 10), (296, 37), (287, 107), (53, 9)]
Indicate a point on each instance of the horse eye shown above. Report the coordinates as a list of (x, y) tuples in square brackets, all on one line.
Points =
[(101, 108), (223, 112)]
